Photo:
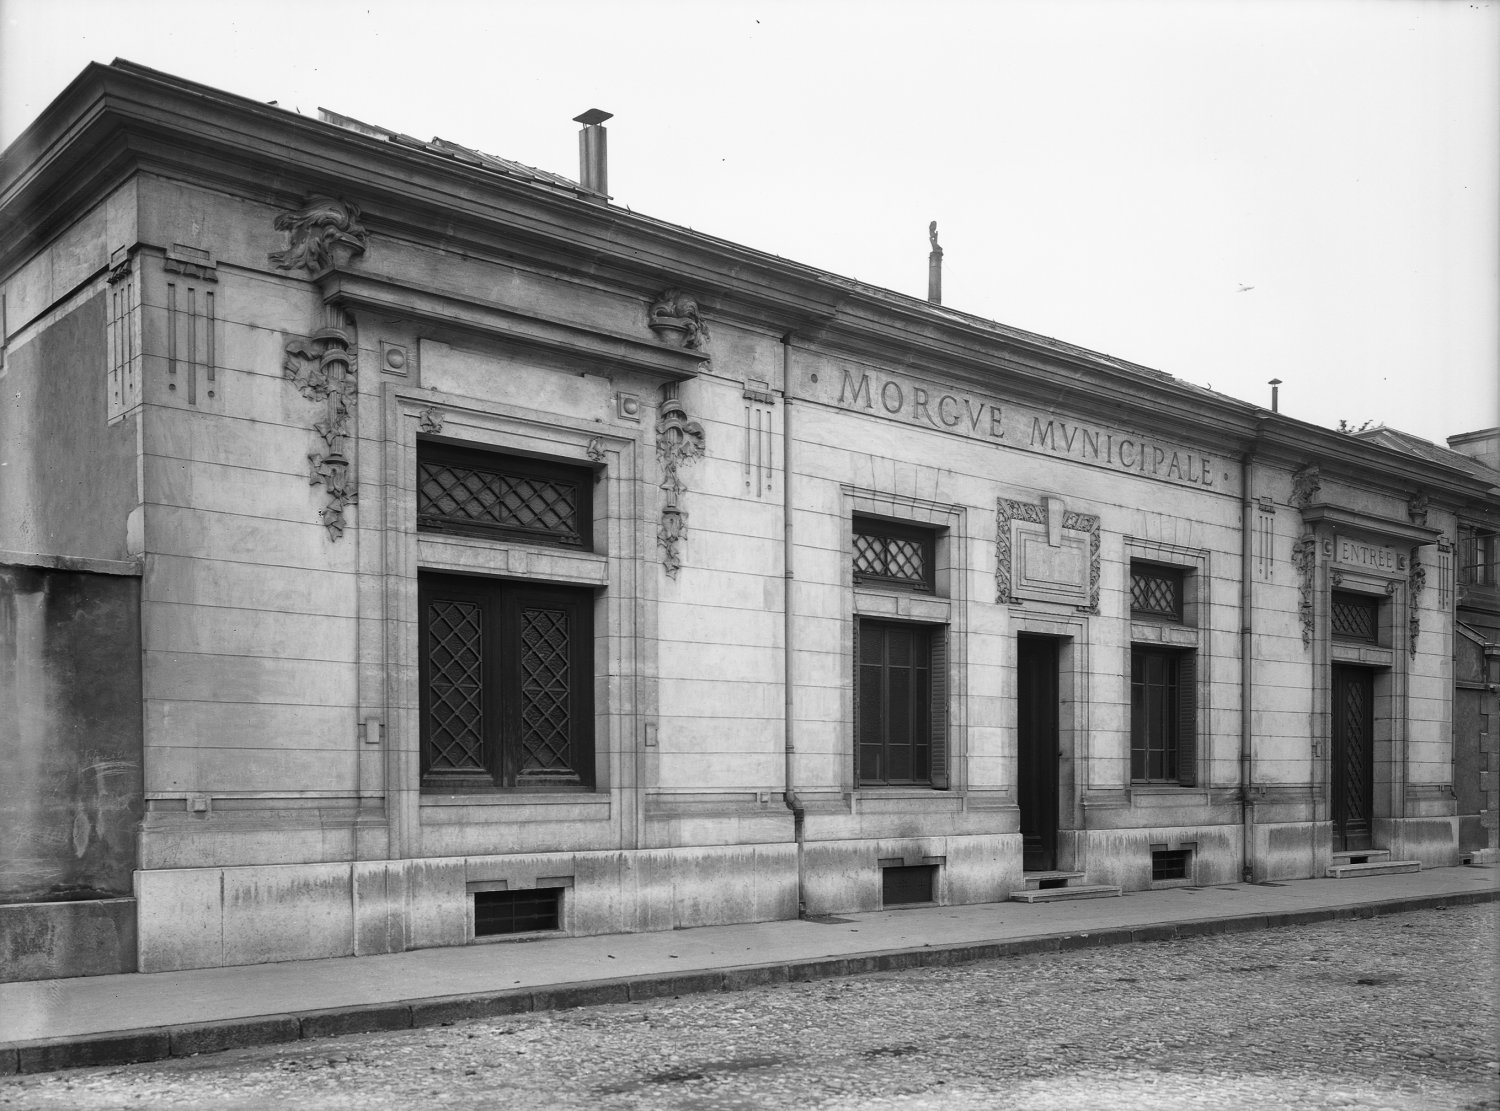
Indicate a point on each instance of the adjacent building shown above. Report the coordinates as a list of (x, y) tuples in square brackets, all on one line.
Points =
[(405, 547)]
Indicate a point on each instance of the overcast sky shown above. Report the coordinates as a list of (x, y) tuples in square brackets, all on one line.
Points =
[(1227, 190)]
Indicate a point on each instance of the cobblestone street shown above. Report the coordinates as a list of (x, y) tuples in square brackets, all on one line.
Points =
[(1395, 1012)]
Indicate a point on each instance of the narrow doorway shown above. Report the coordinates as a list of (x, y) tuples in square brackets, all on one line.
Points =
[(1351, 776), (1037, 751)]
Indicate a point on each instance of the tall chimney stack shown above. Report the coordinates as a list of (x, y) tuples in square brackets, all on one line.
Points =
[(593, 151), (934, 267)]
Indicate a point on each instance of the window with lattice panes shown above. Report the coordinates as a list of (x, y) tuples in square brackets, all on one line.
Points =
[(1355, 616), (1156, 591), (506, 673), (477, 492), (888, 554)]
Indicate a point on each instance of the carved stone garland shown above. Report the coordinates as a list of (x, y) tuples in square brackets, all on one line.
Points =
[(679, 441), (323, 369), (674, 317), (321, 233), (1305, 559), (1416, 580), (1007, 511)]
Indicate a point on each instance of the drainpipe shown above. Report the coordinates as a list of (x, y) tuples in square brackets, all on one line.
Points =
[(794, 804), (1247, 661)]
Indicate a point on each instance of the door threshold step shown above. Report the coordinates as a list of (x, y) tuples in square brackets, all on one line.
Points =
[(1360, 856), (1049, 879), (1374, 868), (1057, 894)]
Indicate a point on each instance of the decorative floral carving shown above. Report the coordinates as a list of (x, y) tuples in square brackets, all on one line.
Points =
[(674, 317), (1088, 523), (319, 233), (1007, 511), (322, 368), (595, 450), (679, 441), (430, 421), (1305, 485), (1305, 558), (1416, 580), (1416, 509)]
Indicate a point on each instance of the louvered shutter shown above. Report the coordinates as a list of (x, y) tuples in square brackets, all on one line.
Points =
[(938, 730), (1187, 719)]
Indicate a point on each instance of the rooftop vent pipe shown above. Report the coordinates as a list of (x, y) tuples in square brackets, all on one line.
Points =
[(934, 267), (593, 151)]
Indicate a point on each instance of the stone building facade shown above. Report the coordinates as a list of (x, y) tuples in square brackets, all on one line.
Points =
[(404, 547)]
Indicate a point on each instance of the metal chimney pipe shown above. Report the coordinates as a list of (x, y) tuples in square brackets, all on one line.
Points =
[(934, 267), (1275, 394), (593, 151)]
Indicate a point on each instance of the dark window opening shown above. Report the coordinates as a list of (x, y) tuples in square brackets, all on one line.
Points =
[(889, 554), (1170, 864), (1156, 591), (486, 493), (1163, 717), (506, 684), (1478, 564), (517, 912), (900, 711), (1356, 617), (905, 885)]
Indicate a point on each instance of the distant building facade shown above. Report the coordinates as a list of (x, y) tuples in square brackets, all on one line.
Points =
[(402, 547)]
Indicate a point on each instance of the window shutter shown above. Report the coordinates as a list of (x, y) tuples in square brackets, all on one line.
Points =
[(939, 709), (858, 698), (1187, 719)]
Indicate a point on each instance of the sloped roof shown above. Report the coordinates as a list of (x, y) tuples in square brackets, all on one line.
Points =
[(1426, 449)]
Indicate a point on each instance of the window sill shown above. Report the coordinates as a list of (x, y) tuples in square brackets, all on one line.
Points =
[(1167, 794)]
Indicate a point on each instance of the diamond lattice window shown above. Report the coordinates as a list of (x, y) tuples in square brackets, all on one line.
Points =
[(1355, 617), (1155, 591), (893, 555), (483, 493)]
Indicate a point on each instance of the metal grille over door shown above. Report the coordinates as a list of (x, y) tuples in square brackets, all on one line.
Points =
[(1351, 786), (546, 682), (455, 653)]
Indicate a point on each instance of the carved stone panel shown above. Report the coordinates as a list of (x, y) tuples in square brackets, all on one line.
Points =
[(123, 385), (323, 233), (323, 369), (192, 326), (679, 441), (1045, 553), (675, 319)]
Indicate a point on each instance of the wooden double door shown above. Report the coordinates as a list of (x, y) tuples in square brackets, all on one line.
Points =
[(1351, 780)]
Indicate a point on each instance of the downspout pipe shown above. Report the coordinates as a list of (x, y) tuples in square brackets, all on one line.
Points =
[(788, 629), (1247, 660)]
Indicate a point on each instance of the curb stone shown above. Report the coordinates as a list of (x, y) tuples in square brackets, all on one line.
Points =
[(123, 1047)]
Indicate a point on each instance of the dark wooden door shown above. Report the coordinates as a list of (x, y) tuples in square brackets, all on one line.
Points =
[(1351, 780), (1036, 729)]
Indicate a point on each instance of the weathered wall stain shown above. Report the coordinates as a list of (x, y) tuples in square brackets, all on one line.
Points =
[(71, 795)]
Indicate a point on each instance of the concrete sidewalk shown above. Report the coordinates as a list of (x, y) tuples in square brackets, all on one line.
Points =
[(51, 1024)]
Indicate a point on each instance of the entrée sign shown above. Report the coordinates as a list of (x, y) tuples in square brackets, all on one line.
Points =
[(965, 415)]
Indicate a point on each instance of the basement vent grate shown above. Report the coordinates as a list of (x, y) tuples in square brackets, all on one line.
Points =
[(1170, 864), (907, 885), (516, 912)]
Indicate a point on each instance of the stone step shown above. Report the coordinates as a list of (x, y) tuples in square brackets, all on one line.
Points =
[(1374, 868), (1049, 879), (1360, 856), (1057, 894)]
